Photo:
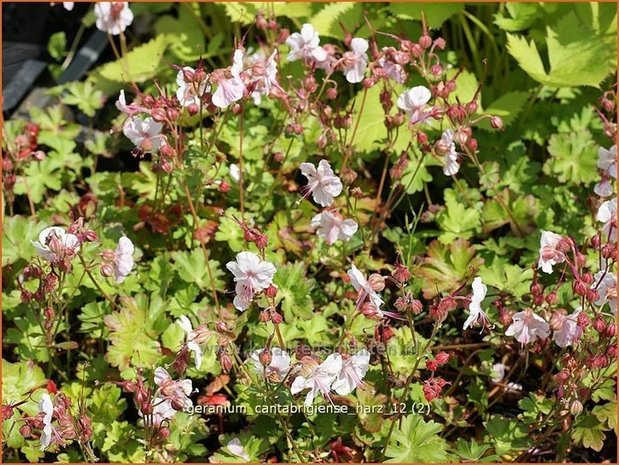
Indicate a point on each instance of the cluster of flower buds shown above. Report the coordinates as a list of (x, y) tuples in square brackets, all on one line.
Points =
[(441, 307), (432, 387), (440, 359), (16, 151)]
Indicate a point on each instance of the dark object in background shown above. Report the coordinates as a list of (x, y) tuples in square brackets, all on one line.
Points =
[(26, 29)]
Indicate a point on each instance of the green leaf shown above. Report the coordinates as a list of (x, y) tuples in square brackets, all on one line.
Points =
[(84, 96), (446, 266), (457, 220), (191, 268), (472, 451), (371, 122), (577, 56), (507, 277), (588, 432), (17, 232), (416, 441), (133, 333), (57, 45), (607, 413), (294, 291), (327, 20), (507, 435), (573, 157), (139, 65), (435, 14)]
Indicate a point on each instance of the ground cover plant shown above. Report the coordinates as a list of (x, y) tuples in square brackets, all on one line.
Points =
[(345, 232)]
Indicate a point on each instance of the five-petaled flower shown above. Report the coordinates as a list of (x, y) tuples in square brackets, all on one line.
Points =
[(251, 275), (113, 17), (323, 184), (332, 227), (528, 327)]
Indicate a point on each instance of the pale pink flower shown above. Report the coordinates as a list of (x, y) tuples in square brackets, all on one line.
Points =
[(568, 331), (605, 282), (447, 146), (332, 227), (130, 109), (279, 366), (549, 255), (177, 392), (323, 184), (320, 379), (47, 407), (414, 103), (122, 264), (392, 70), (261, 74), (236, 448), (607, 160), (352, 373), (192, 344), (356, 61), (144, 133), (190, 93), (55, 243), (528, 327), (364, 289), (305, 45), (230, 89), (113, 17), (251, 276), (607, 214), (476, 314)]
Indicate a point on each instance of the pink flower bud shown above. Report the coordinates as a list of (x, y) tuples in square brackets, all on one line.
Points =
[(442, 358), (425, 41), (496, 122), (224, 187), (193, 109), (276, 318), (271, 291), (265, 357), (159, 115), (376, 282), (436, 69), (440, 43), (107, 270), (331, 93)]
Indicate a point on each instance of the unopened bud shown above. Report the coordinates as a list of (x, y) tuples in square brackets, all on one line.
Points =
[(496, 122), (376, 282), (193, 109), (425, 41), (265, 357), (271, 291)]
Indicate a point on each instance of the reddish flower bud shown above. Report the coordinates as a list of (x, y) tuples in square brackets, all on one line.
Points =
[(331, 93), (376, 282), (496, 122), (599, 325), (193, 109), (432, 365), (164, 432), (552, 298), (271, 291), (265, 316), (25, 430), (611, 330), (265, 357), (159, 115), (276, 318), (401, 273), (471, 107), (224, 186), (442, 358), (425, 41)]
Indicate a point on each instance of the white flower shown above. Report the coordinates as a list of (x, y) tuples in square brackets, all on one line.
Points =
[(131, 109), (413, 103), (356, 62), (231, 89), (144, 133), (497, 375), (528, 327), (391, 69), (177, 392), (279, 366), (605, 282), (305, 45), (607, 214), (549, 255), (352, 373), (66, 243), (189, 93), (261, 74), (475, 312), (113, 17), (192, 345), (236, 448), (123, 259), (607, 160), (323, 184), (46, 406), (319, 380), (251, 276), (569, 331), (604, 188), (363, 288), (235, 173), (451, 165), (332, 227)]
